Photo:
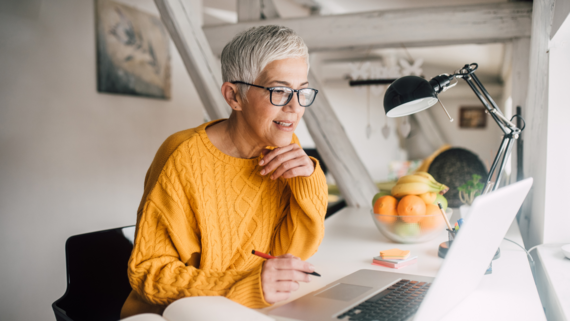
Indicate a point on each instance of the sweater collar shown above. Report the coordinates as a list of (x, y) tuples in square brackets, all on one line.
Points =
[(242, 162)]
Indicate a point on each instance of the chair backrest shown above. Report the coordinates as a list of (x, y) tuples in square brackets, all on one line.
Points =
[(97, 282)]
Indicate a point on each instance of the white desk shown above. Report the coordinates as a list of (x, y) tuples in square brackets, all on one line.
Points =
[(351, 240), (553, 273)]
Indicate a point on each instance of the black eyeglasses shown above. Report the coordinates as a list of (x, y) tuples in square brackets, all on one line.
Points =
[(281, 96)]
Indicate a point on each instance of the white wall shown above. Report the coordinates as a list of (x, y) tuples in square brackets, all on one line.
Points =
[(72, 160), (350, 107), (483, 142), (557, 215)]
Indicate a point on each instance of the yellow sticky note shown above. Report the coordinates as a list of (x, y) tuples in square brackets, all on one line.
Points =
[(394, 254)]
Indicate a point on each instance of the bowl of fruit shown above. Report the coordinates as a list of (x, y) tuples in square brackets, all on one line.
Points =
[(410, 212)]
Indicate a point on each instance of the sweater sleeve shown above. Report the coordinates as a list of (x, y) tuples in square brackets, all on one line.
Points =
[(160, 272), (301, 228)]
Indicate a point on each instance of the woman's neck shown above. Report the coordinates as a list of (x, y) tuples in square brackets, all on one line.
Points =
[(233, 138)]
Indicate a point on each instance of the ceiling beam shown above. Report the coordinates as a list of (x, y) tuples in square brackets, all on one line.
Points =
[(200, 62), (433, 26)]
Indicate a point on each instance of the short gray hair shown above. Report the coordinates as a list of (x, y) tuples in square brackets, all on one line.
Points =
[(250, 51)]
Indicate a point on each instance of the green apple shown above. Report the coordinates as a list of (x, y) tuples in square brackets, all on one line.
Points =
[(442, 200), (377, 196), (407, 229)]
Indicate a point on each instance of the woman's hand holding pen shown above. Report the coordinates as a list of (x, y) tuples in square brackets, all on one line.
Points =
[(288, 162), (281, 276)]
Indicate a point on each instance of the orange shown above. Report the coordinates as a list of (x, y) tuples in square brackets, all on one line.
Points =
[(433, 217), (386, 205), (411, 208)]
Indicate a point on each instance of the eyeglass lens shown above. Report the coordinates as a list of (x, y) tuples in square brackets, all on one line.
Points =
[(280, 96)]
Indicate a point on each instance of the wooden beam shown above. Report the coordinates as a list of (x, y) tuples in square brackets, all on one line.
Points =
[(484, 23), (268, 10), (254, 10), (561, 12), (519, 85), (535, 113), (196, 54), (248, 10), (332, 143), (430, 129)]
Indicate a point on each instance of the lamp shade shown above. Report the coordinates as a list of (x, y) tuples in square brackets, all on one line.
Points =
[(408, 95)]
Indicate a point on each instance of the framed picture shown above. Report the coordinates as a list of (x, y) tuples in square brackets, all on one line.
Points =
[(472, 117), (133, 52)]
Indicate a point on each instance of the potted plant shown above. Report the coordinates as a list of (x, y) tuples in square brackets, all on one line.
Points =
[(468, 192)]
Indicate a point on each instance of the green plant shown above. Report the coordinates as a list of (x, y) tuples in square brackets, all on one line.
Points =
[(470, 190)]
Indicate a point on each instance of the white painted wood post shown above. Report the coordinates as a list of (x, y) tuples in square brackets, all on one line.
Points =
[(254, 10), (352, 177), (430, 129), (248, 10), (196, 54), (519, 80), (535, 134)]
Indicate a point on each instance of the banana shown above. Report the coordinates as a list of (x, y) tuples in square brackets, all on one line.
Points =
[(426, 175), (416, 179), (401, 190), (426, 179)]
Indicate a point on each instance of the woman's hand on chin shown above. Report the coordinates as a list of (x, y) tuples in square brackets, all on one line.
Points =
[(281, 276), (287, 162)]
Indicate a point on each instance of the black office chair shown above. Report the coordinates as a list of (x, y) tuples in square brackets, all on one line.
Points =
[(97, 282)]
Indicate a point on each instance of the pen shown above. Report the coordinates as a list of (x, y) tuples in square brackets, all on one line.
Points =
[(445, 217), (267, 256)]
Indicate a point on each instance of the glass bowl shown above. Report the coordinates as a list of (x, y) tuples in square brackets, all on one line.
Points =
[(411, 229)]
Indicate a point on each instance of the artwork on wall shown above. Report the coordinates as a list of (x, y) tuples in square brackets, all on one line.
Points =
[(133, 52), (472, 117)]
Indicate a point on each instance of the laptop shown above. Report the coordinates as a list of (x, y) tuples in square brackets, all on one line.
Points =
[(377, 295)]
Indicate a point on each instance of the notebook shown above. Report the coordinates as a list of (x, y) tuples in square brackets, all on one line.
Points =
[(203, 308)]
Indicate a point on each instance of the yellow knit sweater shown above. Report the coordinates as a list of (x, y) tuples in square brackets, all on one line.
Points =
[(203, 212)]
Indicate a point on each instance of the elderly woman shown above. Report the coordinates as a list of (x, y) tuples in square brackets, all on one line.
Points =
[(216, 192)]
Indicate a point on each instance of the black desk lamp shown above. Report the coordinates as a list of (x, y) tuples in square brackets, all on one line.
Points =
[(411, 94)]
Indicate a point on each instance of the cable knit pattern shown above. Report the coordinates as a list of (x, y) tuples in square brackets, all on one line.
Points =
[(203, 212)]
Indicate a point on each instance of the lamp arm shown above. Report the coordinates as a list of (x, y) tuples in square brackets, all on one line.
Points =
[(496, 110), (489, 104), (510, 131)]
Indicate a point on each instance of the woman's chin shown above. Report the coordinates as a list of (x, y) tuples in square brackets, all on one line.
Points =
[(281, 139)]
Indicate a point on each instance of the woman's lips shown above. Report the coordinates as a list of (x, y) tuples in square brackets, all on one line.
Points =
[(281, 125)]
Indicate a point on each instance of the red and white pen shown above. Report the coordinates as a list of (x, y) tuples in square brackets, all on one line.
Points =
[(267, 256)]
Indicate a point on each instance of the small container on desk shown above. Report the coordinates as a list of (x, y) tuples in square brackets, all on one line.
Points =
[(445, 246)]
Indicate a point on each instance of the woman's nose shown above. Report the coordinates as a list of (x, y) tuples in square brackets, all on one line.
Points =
[(293, 105)]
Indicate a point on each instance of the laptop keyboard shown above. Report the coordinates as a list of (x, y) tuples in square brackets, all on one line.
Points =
[(398, 302)]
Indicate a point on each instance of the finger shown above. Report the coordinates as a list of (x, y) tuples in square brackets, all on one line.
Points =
[(286, 166), (278, 151), (291, 275), (288, 255), (280, 159), (292, 264), (304, 171), (286, 286)]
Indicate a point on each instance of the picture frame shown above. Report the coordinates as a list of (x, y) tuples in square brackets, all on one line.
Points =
[(471, 117), (133, 52)]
